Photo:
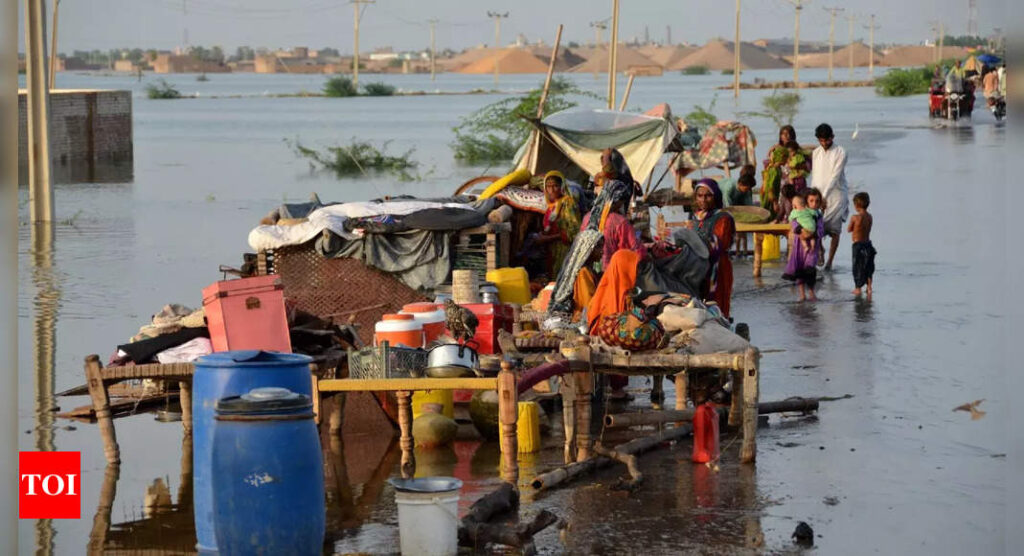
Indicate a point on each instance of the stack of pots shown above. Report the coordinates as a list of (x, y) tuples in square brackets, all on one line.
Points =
[(465, 287)]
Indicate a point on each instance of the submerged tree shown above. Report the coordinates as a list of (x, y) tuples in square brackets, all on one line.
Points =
[(780, 108)]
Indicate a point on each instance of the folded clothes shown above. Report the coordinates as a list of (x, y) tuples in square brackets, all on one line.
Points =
[(144, 351)]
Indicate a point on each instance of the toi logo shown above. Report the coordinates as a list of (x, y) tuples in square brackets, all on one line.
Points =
[(49, 485)]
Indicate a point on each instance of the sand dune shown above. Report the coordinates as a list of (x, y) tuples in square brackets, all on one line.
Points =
[(719, 55)]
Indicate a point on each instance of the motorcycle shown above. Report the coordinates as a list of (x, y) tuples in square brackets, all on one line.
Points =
[(998, 107)]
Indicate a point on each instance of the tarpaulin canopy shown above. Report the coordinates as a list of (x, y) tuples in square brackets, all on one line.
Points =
[(572, 141)]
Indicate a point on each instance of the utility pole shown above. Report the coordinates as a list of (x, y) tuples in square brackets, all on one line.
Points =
[(942, 38), (598, 27), (433, 48), (40, 194), (497, 17), (798, 5), (668, 35), (972, 18), (832, 38), (355, 22), (184, 26), (935, 46), (871, 45), (613, 49), (736, 56), (53, 45), (851, 18)]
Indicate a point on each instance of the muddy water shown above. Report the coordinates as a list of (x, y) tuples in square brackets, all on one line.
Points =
[(892, 469)]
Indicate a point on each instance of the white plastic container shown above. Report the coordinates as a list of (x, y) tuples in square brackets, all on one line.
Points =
[(399, 330), (428, 523)]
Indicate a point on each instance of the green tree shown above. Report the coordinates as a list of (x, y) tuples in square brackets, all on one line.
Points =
[(495, 132)]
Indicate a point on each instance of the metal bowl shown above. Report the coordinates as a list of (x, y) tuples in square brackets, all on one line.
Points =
[(426, 484)]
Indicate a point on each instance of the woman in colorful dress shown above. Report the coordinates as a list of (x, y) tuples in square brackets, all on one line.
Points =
[(717, 228), (561, 220), (771, 177)]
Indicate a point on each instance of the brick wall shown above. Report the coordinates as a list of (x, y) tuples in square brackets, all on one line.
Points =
[(86, 127)]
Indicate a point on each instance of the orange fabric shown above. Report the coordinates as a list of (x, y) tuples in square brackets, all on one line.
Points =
[(583, 290), (619, 277), (724, 230)]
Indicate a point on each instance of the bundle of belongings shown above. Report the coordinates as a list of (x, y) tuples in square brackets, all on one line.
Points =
[(176, 334), (404, 236)]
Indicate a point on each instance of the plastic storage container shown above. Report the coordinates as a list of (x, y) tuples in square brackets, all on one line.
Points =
[(513, 284), (268, 488), (770, 247), (430, 315), (529, 427), (428, 520), (399, 330), (705, 433), (247, 313), (220, 375)]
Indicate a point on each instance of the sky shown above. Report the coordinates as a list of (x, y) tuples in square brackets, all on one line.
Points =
[(402, 24)]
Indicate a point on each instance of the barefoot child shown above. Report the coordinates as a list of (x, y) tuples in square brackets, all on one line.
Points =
[(806, 217), (863, 251), (802, 260), (817, 202)]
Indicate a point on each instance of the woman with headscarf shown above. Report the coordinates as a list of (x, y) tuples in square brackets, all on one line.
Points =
[(717, 228), (771, 177), (609, 214), (561, 220)]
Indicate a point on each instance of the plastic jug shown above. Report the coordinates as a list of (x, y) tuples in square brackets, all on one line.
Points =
[(770, 247), (529, 427), (513, 284), (705, 433)]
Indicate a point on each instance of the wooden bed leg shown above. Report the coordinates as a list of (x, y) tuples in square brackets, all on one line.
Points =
[(508, 417), (758, 239), (337, 413), (406, 440), (101, 403), (584, 389), (736, 402), (681, 390), (751, 378), (317, 402), (568, 391), (185, 399)]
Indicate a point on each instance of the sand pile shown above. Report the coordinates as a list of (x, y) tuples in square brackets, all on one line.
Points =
[(718, 55), (465, 58), (841, 58), (666, 56), (509, 60), (903, 56), (566, 58), (626, 58)]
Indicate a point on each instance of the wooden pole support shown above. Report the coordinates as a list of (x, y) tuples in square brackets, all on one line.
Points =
[(758, 246), (406, 440), (185, 399), (337, 412), (736, 401), (101, 403), (584, 389), (316, 396), (101, 520), (568, 391), (681, 390), (751, 379), (508, 415)]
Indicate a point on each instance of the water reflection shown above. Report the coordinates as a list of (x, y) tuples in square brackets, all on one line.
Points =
[(166, 528), (96, 171), (44, 325)]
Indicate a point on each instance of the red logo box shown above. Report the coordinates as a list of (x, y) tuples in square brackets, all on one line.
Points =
[(49, 485)]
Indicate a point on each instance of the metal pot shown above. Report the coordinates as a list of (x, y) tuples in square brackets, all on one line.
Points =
[(453, 355)]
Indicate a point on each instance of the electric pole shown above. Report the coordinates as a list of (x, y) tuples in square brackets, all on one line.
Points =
[(433, 48), (851, 18), (935, 47), (798, 5), (613, 48), (184, 26), (40, 195), (355, 31), (53, 45), (497, 17), (736, 56), (598, 27), (832, 37), (942, 39), (972, 18), (871, 44)]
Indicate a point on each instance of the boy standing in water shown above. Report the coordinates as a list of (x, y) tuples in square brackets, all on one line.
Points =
[(863, 251)]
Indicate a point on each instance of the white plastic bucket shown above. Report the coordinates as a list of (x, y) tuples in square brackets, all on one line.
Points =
[(428, 521)]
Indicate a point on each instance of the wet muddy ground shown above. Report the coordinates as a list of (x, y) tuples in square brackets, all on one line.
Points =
[(891, 470)]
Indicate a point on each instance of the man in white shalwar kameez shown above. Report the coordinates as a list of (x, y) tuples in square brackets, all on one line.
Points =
[(828, 175)]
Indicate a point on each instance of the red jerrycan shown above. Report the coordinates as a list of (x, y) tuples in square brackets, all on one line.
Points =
[(705, 433)]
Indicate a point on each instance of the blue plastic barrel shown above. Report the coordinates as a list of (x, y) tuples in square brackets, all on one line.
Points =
[(219, 375), (268, 482)]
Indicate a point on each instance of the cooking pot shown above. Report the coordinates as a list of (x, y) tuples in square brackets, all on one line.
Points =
[(453, 355)]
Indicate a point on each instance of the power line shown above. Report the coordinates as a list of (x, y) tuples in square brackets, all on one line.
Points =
[(831, 36), (497, 17)]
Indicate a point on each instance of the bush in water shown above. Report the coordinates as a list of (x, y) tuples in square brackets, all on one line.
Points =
[(339, 86), (162, 90)]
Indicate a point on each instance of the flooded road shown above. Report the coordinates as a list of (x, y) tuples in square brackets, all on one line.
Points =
[(892, 469)]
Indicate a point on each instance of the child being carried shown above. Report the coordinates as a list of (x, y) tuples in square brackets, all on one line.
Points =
[(806, 217)]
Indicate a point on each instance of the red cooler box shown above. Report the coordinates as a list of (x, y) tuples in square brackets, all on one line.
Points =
[(493, 317), (247, 313)]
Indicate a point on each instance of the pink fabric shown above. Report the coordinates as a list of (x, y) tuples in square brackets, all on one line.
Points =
[(619, 234)]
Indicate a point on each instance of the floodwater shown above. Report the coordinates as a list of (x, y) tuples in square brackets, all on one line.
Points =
[(891, 470)]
